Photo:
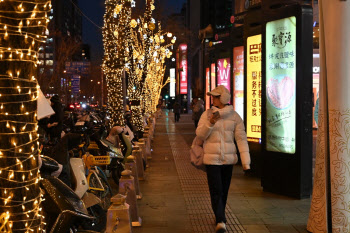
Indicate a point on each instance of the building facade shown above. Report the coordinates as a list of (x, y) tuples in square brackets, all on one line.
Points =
[(64, 43)]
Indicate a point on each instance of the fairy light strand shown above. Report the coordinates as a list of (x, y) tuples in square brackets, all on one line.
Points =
[(116, 38), (22, 27)]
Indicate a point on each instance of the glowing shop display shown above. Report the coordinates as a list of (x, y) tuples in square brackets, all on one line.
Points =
[(177, 72), (183, 65), (207, 88), (254, 88), (238, 80), (213, 76), (281, 85), (224, 72), (172, 82)]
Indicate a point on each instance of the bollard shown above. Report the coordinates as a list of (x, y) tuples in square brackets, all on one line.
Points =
[(150, 131), (118, 216), (142, 144), (132, 166), (127, 186), (147, 145), (137, 153)]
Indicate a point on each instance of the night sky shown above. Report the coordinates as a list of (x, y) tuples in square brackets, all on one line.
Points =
[(94, 10)]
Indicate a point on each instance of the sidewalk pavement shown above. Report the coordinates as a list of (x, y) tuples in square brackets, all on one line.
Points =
[(176, 197)]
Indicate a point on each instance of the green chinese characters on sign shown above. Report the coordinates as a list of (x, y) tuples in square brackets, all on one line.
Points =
[(281, 85)]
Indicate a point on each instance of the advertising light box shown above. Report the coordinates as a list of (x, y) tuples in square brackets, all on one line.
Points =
[(207, 88), (238, 80), (224, 72), (254, 88), (177, 73), (183, 66), (212, 77), (172, 82), (281, 85)]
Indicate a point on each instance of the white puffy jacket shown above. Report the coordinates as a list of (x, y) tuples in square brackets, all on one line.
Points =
[(219, 147)]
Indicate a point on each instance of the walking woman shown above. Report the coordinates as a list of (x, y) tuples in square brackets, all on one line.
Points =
[(218, 127)]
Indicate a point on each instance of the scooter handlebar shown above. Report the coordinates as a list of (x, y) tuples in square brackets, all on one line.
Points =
[(48, 165)]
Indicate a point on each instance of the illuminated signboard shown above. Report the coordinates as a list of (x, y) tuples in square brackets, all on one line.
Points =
[(238, 81), (207, 88), (224, 72), (75, 84), (316, 85), (281, 85), (177, 72), (183, 66), (172, 82), (254, 88), (213, 76)]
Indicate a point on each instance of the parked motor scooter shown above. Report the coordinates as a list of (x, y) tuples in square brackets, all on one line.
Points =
[(76, 179), (91, 201), (111, 146), (64, 211)]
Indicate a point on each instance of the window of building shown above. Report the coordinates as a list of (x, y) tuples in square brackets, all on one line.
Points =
[(49, 62)]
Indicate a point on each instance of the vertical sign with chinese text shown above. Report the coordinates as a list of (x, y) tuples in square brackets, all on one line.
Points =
[(281, 85), (212, 76), (177, 72), (75, 84), (254, 88), (207, 88), (172, 82), (224, 72), (238, 80), (183, 66)]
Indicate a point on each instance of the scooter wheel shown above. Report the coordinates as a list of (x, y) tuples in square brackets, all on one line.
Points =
[(100, 221)]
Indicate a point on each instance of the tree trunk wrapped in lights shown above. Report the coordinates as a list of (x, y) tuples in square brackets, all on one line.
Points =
[(135, 84), (116, 39), (23, 24), (140, 58), (156, 69)]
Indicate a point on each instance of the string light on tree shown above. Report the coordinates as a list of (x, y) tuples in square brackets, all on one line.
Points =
[(22, 27), (116, 38)]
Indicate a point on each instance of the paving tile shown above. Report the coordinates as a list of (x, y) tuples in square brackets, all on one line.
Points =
[(256, 228), (281, 228)]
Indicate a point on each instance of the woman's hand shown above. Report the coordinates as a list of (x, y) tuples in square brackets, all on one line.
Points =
[(214, 118)]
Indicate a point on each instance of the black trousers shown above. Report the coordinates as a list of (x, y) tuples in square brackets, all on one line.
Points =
[(177, 117), (219, 179)]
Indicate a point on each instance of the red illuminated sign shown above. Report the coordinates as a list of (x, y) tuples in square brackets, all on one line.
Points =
[(183, 68), (207, 88), (213, 76), (238, 80), (224, 72)]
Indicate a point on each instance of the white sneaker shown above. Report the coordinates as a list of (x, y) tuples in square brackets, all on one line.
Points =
[(220, 227)]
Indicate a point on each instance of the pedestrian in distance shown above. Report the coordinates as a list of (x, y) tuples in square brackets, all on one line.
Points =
[(177, 111), (55, 122), (218, 127), (197, 107)]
